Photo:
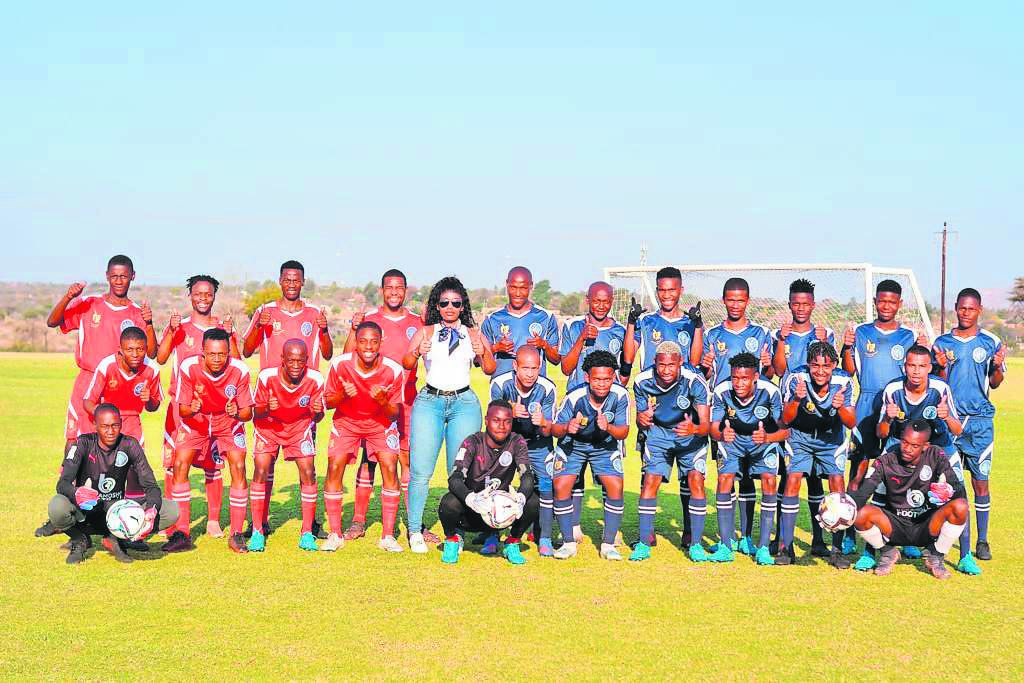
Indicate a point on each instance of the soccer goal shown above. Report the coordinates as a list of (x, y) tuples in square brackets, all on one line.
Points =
[(843, 291)]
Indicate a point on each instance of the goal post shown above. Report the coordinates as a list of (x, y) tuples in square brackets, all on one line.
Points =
[(844, 292)]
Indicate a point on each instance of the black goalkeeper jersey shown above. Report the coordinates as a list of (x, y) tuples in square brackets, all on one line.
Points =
[(477, 464), (906, 486), (108, 469)]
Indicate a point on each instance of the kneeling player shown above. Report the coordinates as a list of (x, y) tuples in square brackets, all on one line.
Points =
[(818, 410), (925, 504), (214, 402), (591, 424), (673, 406), (289, 403), (488, 460), (365, 389), (745, 414)]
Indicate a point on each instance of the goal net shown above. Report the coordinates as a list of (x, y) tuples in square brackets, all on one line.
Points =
[(843, 292)]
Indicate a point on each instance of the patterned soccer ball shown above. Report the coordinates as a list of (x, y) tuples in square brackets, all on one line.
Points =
[(837, 512), (125, 519), (502, 510)]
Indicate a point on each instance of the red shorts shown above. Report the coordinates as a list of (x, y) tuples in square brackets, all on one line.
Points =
[(207, 459), (203, 442), (404, 418), (78, 421), (345, 442), (132, 426), (268, 442)]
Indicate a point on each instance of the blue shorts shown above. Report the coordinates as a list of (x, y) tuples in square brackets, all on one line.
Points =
[(659, 457), (542, 462), (816, 458), (749, 461), (571, 459), (864, 436), (976, 442)]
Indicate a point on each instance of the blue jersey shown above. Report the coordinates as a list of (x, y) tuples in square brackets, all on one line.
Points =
[(795, 348), (653, 328), (817, 421), (725, 344), (765, 406), (968, 363), (925, 408), (536, 322), (608, 339), (672, 404), (615, 409), (878, 356), (540, 398)]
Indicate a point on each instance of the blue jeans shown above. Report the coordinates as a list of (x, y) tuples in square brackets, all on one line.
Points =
[(451, 418)]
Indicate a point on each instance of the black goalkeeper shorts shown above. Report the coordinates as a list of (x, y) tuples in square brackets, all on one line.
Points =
[(910, 531)]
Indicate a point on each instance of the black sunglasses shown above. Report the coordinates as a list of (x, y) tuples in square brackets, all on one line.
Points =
[(457, 303)]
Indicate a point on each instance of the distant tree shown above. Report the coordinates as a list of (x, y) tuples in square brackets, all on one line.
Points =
[(370, 291), (1017, 300), (542, 293), (571, 304), (260, 297)]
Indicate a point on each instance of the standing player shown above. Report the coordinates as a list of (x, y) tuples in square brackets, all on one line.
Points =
[(818, 410), (644, 331), (214, 402), (365, 389), (290, 317), (745, 415), (532, 399), (399, 324), (795, 336), (182, 339), (973, 363), (673, 405), (520, 322), (591, 424)]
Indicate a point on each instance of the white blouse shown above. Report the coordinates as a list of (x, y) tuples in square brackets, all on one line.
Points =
[(449, 371)]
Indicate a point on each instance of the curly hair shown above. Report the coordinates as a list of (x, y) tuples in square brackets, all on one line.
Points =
[(196, 279), (822, 349), (448, 284), (744, 360), (600, 359)]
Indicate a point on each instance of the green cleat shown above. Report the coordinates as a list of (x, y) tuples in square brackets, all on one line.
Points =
[(865, 564), (911, 552), (308, 542), (257, 542), (698, 554), (968, 566), (450, 554), (746, 546), (512, 554), (723, 553), (641, 552), (764, 557)]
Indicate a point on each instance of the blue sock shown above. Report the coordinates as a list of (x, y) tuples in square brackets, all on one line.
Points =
[(646, 510), (790, 510), (769, 502), (546, 513), (965, 539), (982, 504), (684, 500), (563, 513), (577, 507), (726, 518), (698, 509), (613, 508)]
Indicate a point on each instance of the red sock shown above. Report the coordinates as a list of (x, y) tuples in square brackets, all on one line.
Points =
[(364, 488), (388, 512), (405, 487), (332, 502), (265, 516), (214, 494), (182, 495), (257, 499), (168, 482), (237, 500), (307, 493)]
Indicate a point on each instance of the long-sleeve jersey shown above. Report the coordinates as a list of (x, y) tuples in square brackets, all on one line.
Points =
[(108, 469), (477, 464), (906, 486)]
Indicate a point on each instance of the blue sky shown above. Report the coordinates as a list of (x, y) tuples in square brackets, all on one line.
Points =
[(455, 138)]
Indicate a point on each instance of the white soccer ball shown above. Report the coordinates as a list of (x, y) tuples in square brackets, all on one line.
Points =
[(502, 509), (837, 512), (125, 519)]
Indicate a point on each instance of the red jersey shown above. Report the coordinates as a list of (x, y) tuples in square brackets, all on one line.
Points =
[(284, 326), (395, 341), (187, 342), (214, 393), (99, 326), (362, 411), (111, 384), (294, 414)]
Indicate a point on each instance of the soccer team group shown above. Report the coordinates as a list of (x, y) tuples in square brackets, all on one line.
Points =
[(920, 423)]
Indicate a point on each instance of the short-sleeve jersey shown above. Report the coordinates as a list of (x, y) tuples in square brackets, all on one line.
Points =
[(653, 328), (214, 392), (284, 326), (817, 420), (186, 341), (99, 326), (925, 408), (968, 363), (765, 406), (726, 343), (540, 398), (397, 332), (362, 412), (878, 356), (535, 322), (294, 413), (673, 403), (615, 408), (608, 339), (795, 348), (111, 384)]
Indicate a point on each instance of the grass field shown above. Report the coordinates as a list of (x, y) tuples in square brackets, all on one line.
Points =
[(364, 614)]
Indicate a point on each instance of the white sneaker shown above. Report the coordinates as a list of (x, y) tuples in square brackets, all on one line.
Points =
[(566, 551), (416, 544), (608, 552), (333, 542), (213, 529), (389, 544)]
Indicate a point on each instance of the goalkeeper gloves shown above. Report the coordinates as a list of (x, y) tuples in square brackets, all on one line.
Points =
[(940, 493), (147, 525), (477, 502), (635, 311), (695, 316), (86, 496)]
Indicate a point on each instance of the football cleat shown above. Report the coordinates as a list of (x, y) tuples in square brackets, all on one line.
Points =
[(820, 550), (840, 561), (641, 552), (334, 542), (911, 552), (936, 564), (723, 553), (565, 552), (982, 551), (115, 549), (865, 563), (178, 542), (257, 542), (544, 548), (213, 529), (773, 547), (686, 540), (236, 543), (530, 537), (307, 541), (608, 552), (416, 544), (46, 529), (888, 556), (784, 556), (968, 566), (512, 553), (78, 548), (430, 538), (450, 554), (698, 554), (355, 530), (481, 538), (318, 530), (490, 545), (849, 545), (389, 544), (746, 546), (764, 557)]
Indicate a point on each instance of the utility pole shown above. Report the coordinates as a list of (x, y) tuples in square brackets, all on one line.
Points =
[(942, 294)]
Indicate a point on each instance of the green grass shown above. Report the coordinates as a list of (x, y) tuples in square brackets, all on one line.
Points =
[(361, 613)]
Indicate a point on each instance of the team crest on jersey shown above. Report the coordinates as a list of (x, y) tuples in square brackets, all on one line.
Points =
[(731, 412), (926, 473), (915, 498), (655, 336), (682, 401), (683, 338), (979, 355), (306, 329), (121, 459), (505, 459), (950, 355), (306, 448), (761, 412), (409, 332), (190, 342), (750, 344), (609, 416), (771, 458), (277, 327), (534, 407), (929, 412), (137, 389), (239, 440), (870, 348), (504, 329), (811, 408), (230, 391), (720, 347), (787, 349), (180, 437), (614, 345), (112, 383), (125, 324), (304, 401), (96, 317), (897, 352), (536, 329)]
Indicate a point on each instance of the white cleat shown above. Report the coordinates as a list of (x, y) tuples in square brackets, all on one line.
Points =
[(565, 552), (417, 544), (213, 530), (608, 552), (333, 542), (389, 544)]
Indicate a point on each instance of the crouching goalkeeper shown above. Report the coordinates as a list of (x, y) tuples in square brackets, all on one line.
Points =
[(487, 463)]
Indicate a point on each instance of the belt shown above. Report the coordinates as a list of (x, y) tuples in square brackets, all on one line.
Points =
[(434, 391)]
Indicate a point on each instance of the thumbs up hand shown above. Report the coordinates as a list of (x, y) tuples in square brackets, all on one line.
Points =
[(801, 389), (684, 428), (849, 336), (273, 404), (86, 496), (839, 400), (175, 320), (321, 319), (231, 408), (728, 434), (759, 436), (574, 424), (942, 410)]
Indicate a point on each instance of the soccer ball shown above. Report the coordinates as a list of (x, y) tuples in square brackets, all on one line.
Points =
[(125, 519), (837, 512), (502, 509)]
